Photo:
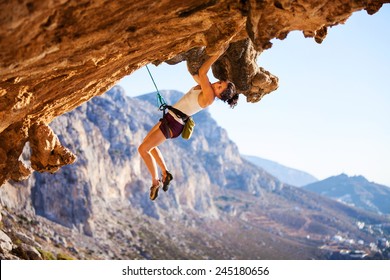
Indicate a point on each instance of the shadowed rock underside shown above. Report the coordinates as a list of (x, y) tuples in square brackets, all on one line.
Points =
[(57, 54)]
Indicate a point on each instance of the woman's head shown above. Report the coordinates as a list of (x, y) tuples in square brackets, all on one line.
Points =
[(226, 91)]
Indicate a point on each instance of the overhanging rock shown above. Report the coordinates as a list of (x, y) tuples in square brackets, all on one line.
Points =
[(58, 54)]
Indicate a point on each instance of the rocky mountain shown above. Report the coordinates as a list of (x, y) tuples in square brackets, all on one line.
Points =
[(355, 191), (220, 206), (285, 174)]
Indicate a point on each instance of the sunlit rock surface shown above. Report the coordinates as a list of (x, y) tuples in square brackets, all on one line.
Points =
[(57, 54)]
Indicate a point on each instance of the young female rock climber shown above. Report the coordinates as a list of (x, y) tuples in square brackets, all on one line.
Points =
[(198, 98)]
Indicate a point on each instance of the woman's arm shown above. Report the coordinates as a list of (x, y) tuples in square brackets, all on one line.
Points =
[(196, 78), (207, 97), (203, 70)]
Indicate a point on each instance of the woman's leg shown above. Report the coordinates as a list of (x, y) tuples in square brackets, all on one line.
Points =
[(148, 153), (166, 175), (157, 155)]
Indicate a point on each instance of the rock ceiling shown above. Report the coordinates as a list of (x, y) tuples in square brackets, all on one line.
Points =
[(58, 54)]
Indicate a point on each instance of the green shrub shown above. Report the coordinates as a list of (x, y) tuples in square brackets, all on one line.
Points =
[(62, 256), (46, 255)]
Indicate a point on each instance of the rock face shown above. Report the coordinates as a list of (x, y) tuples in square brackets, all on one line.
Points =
[(106, 133), (56, 55), (99, 207)]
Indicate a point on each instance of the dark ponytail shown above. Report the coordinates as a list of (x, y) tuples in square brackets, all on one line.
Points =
[(233, 101), (230, 95)]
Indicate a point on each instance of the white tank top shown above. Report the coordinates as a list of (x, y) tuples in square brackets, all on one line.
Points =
[(189, 104)]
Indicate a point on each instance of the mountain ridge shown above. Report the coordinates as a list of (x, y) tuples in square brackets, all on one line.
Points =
[(356, 191), (91, 208), (285, 174)]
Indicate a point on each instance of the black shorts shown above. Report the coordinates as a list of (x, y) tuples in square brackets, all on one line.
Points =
[(170, 125)]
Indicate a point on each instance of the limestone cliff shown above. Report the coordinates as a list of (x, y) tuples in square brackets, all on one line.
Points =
[(105, 133), (99, 207), (58, 54)]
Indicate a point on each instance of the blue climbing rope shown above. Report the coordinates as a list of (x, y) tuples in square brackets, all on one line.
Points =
[(161, 104)]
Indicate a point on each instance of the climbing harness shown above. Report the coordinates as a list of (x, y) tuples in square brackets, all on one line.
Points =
[(162, 106)]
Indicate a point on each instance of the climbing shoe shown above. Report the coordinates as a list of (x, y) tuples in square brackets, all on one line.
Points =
[(168, 178), (154, 191)]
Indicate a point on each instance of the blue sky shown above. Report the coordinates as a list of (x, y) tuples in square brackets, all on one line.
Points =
[(331, 112)]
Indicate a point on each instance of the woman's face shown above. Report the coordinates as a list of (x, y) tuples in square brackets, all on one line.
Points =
[(219, 87)]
